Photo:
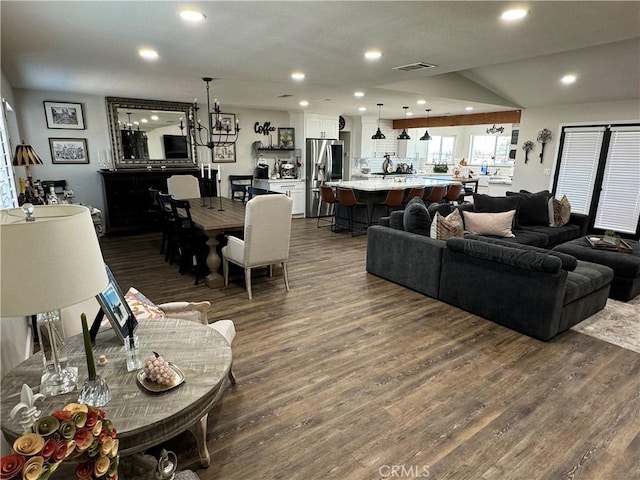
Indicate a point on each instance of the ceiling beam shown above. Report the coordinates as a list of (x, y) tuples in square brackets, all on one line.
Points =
[(512, 116)]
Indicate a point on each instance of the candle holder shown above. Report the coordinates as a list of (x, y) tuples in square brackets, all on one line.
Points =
[(220, 195), (95, 391)]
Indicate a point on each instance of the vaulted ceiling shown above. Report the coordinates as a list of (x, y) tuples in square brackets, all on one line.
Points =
[(251, 49)]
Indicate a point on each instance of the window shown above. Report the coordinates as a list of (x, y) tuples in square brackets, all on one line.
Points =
[(493, 149), (8, 197), (437, 150), (599, 172)]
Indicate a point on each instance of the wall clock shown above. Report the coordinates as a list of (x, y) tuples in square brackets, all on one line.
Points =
[(341, 122)]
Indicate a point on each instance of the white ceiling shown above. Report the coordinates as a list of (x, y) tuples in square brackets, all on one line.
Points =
[(251, 48)]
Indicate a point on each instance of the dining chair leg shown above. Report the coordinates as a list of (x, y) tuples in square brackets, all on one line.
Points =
[(247, 280), (225, 270), (270, 270), (286, 275)]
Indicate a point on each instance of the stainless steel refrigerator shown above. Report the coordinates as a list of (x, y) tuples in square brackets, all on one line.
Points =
[(324, 163)]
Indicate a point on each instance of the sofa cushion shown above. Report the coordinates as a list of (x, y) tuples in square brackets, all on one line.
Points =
[(515, 257), (585, 279), (559, 211), (498, 224), (533, 208), (569, 262), (623, 264), (555, 235), (396, 220), (443, 228), (487, 203), (417, 200), (416, 219)]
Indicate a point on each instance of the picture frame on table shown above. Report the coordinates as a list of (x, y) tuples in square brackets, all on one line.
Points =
[(286, 137), (64, 115), (69, 150), (223, 123), (224, 154), (116, 308)]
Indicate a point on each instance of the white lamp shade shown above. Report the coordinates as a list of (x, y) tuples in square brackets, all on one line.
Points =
[(50, 263)]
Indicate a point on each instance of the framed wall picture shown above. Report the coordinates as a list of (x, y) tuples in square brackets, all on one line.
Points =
[(64, 115), (116, 308), (224, 154), (223, 123), (69, 150), (286, 137)]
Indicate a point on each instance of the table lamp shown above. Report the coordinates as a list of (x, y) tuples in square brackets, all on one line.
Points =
[(49, 259), (25, 155)]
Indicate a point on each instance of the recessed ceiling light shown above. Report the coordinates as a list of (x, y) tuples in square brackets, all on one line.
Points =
[(154, 117), (148, 53), (468, 109), (568, 79), (144, 120), (409, 114), (192, 15), (362, 109), (358, 94), (373, 55), (304, 103), (421, 102), (297, 76), (514, 14)]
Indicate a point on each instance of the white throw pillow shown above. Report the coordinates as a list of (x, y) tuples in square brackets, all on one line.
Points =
[(497, 224)]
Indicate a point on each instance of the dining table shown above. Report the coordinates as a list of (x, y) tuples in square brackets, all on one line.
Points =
[(215, 215)]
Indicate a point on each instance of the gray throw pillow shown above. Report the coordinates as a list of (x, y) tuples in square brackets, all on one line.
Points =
[(415, 200), (396, 220), (417, 219)]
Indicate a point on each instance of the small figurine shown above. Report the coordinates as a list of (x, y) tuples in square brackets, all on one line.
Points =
[(28, 407)]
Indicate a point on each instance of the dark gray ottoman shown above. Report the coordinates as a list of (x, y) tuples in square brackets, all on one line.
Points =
[(626, 266)]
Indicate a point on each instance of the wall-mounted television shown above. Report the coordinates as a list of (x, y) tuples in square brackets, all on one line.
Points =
[(175, 146)]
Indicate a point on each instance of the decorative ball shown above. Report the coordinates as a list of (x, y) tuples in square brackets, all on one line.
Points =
[(158, 370)]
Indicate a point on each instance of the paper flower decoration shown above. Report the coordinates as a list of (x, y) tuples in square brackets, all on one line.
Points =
[(78, 432), (527, 147), (544, 137)]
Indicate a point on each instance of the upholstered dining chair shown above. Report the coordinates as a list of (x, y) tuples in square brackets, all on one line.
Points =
[(327, 197), (267, 231), (435, 194), (453, 194), (182, 187)]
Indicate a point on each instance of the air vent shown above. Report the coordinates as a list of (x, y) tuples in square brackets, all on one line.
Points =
[(284, 95), (415, 66)]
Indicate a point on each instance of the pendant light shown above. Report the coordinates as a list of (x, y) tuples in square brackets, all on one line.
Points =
[(378, 135), (426, 135), (404, 135)]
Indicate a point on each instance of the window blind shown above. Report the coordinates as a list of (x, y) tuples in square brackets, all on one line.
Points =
[(578, 166), (619, 205), (8, 197)]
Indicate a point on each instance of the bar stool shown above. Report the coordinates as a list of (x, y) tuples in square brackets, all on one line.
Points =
[(435, 195), (329, 198), (412, 193), (393, 200), (348, 200), (453, 193)]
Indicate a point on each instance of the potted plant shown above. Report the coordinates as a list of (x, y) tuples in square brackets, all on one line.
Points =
[(611, 237)]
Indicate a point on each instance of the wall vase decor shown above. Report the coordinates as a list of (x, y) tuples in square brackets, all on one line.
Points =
[(527, 147), (544, 137)]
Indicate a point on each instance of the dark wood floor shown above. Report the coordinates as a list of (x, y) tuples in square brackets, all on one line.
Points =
[(351, 377)]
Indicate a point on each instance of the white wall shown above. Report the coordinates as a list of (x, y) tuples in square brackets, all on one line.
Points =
[(531, 176), (84, 179)]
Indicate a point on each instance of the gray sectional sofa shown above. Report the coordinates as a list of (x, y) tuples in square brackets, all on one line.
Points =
[(534, 291)]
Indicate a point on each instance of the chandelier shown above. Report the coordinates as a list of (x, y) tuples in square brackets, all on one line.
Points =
[(221, 130), (494, 130)]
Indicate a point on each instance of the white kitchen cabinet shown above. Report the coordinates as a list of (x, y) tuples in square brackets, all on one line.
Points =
[(293, 189), (321, 126)]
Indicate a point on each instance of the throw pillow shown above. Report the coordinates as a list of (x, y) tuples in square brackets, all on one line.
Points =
[(533, 208), (416, 200), (416, 219), (396, 220), (443, 228), (497, 224), (488, 204), (141, 306), (559, 211)]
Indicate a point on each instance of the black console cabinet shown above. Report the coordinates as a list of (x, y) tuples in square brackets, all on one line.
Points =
[(128, 204)]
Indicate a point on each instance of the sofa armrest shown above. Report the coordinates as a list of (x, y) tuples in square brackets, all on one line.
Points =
[(581, 220), (408, 259)]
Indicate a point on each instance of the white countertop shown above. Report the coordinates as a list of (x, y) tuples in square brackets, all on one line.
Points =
[(375, 185)]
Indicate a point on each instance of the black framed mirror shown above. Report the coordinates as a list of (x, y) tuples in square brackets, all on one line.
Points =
[(147, 133)]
